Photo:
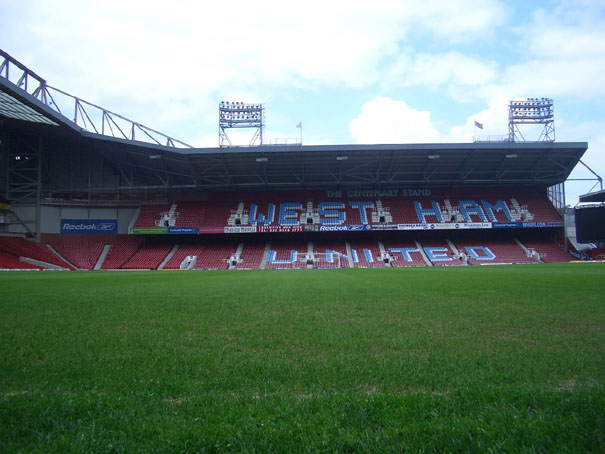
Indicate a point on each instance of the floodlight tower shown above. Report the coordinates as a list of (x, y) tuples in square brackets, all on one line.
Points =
[(240, 115), (531, 111)]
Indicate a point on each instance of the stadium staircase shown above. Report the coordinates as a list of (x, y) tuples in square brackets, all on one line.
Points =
[(168, 257), (102, 257), (263, 264)]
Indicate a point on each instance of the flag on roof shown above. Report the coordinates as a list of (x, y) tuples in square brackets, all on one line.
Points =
[(478, 125), (299, 125)]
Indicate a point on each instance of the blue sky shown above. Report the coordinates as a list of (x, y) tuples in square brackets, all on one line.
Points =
[(384, 71)]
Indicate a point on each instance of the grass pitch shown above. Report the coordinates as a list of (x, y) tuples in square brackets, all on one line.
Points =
[(478, 359)]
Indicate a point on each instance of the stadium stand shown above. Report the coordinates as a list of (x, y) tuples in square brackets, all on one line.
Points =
[(332, 254), (404, 253), (333, 205), (440, 253), (180, 258), (21, 247), (251, 256), (296, 208), (493, 251), (285, 255), (148, 257), (151, 215), (217, 215), (122, 249), (11, 262), (540, 208), (189, 214), (367, 254), (215, 257), (81, 253), (598, 253), (549, 252)]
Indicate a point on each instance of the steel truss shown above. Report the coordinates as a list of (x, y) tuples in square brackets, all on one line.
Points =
[(88, 116), (22, 167)]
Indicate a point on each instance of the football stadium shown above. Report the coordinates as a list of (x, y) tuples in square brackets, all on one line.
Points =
[(287, 297)]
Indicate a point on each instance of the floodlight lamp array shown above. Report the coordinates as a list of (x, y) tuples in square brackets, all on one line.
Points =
[(239, 112), (531, 111), (536, 110), (240, 106), (532, 102), (240, 115), (248, 116)]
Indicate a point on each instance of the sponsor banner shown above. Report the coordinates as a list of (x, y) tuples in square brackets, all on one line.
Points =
[(384, 226), (214, 230), (89, 226), (279, 228), (332, 228), (507, 225), (149, 230), (358, 228), (534, 224), (241, 229), (554, 224), (444, 226), (578, 255), (182, 230), (344, 228), (473, 225), (412, 226)]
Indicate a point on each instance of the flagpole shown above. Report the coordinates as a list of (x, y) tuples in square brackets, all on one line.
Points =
[(299, 126)]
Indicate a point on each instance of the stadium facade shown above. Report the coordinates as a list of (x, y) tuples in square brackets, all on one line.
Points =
[(109, 193)]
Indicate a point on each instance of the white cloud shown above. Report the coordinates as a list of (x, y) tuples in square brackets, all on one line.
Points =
[(494, 120), (148, 59), (383, 120), (564, 54), (462, 21), (193, 48), (432, 70)]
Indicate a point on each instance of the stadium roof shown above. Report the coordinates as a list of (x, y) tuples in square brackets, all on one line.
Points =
[(275, 167), (344, 166), (593, 197)]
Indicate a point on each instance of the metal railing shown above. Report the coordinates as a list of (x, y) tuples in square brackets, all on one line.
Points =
[(282, 141), (86, 115), (490, 139)]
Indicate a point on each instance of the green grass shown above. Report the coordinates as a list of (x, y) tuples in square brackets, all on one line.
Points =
[(478, 359)]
